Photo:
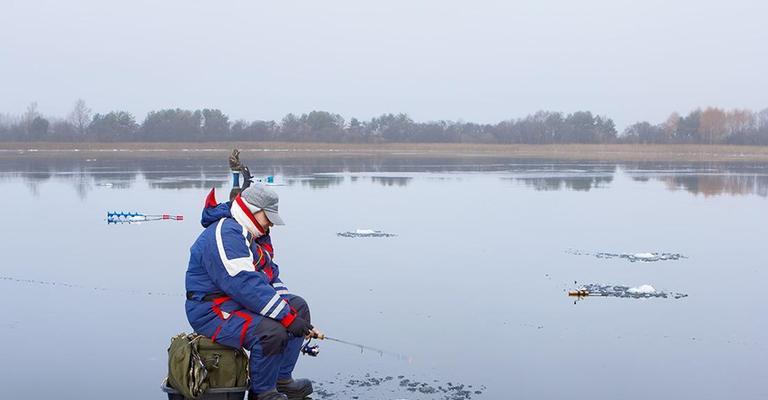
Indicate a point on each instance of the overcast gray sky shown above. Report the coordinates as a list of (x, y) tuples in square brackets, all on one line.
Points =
[(474, 60)]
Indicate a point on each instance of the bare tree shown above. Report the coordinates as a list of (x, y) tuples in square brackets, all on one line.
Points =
[(80, 117), (29, 116), (712, 125), (762, 119)]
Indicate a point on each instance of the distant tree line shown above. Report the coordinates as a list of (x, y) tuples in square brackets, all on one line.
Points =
[(709, 126)]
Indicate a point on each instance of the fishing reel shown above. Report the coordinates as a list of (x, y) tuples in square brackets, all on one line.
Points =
[(312, 350)]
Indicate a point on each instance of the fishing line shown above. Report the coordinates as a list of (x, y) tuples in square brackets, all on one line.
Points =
[(314, 350)]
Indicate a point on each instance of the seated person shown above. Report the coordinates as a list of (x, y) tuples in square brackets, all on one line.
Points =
[(235, 295)]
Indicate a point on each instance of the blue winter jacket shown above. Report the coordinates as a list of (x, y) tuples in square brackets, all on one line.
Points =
[(226, 261)]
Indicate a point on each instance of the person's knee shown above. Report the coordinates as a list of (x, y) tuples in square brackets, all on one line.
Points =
[(302, 308), (272, 337)]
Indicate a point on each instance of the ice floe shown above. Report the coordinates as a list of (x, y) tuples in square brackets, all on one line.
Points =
[(365, 233), (638, 292), (632, 257), (642, 289)]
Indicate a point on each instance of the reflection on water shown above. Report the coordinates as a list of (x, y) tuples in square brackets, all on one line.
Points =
[(712, 185), (392, 180), (317, 181), (708, 179), (578, 183)]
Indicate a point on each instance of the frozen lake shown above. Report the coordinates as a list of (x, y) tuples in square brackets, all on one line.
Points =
[(472, 288)]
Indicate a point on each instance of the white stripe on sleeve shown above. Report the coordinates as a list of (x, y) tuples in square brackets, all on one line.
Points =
[(269, 305), (277, 310)]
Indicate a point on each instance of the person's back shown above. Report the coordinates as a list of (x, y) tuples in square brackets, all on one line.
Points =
[(197, 279)]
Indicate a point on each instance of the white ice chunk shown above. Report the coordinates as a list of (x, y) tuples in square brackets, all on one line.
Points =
[(644, 255), (642, 289)]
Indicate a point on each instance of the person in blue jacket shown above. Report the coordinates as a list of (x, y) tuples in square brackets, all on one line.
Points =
[(235, 295)]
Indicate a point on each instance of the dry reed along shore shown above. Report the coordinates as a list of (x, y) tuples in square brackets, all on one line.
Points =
[(602, 152)]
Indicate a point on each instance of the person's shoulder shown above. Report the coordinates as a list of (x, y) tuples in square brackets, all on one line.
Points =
[(229, 226)]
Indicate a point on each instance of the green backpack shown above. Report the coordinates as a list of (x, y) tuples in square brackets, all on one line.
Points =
[(196, 363)]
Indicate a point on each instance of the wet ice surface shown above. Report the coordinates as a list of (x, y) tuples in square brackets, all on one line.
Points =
[(632, 257), (393, 387), (471, 288), (639, 292)]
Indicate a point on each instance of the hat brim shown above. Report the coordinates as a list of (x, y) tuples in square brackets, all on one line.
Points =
[(274, 218)]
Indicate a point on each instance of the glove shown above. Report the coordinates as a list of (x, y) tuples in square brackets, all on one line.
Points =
[(299, 327), (247, 177)]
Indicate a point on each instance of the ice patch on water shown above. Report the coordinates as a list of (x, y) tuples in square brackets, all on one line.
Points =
[(639, 292), (365, 233), (644, 256), (394, 387), (632, 257), (642, 289)]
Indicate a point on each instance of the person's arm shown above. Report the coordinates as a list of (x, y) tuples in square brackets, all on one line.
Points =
[(280, 287), (230, 266)]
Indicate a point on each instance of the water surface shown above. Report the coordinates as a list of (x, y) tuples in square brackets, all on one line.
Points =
[(472, 288)]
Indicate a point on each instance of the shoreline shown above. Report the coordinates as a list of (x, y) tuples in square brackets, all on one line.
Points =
[(591, 152)]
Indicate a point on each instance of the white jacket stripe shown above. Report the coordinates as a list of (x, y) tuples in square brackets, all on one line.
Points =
[(269, 305), (277, 310), (234, 266)]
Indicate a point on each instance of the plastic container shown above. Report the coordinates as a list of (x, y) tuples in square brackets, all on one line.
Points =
[(234, 393)]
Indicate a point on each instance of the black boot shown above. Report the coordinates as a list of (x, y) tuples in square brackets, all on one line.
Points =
[(295, 389), (271, 395)]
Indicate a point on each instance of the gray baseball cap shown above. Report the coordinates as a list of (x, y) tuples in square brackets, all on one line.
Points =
[(261, 197)]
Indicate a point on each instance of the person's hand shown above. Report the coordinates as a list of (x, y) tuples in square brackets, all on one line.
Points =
[(299, 327), (247, 177), (316, 334)]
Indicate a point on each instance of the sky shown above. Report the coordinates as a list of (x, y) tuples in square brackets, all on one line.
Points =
[(481, 61)]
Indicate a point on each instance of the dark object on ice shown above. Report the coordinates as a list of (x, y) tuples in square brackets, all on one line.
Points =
[(407, 387), (196, 364), (364, 233), (235, 393)]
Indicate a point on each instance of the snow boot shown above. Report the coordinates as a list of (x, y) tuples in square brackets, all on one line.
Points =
[(295, 389), (271, 395)]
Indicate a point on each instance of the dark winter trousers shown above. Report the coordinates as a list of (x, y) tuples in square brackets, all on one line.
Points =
[(273, 351)]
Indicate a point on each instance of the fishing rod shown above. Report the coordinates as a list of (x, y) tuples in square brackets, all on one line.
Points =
[(134, 217), (314, 350)]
